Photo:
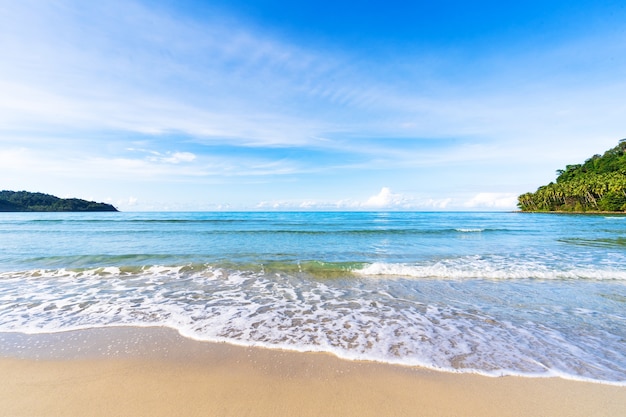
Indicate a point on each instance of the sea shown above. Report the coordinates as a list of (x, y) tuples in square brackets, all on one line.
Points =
[(502, 293)]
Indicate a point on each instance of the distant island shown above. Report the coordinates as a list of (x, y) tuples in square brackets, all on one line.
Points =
[(17, 201), (598, 185)]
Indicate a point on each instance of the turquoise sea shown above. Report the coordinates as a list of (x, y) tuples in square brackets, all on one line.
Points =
[(490, 293)]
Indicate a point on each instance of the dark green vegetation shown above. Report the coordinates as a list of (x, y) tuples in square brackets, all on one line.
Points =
[(597, 185), (26, 201)]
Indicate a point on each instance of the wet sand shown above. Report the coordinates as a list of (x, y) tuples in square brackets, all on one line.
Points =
[(156, 372)]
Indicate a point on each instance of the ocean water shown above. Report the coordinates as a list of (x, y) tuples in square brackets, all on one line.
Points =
[(489, 293)]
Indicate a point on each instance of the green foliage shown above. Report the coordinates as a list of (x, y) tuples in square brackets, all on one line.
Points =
[(27, 201), (597, 185)]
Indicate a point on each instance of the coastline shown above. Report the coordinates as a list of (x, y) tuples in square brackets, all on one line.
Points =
[(154, 371), (590, 212)]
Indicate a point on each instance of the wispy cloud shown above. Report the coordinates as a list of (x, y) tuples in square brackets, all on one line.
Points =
[(125, 66), (128, 67), (119, 89)]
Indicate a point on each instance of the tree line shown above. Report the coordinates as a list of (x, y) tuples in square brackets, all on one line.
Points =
[(27, 201), (599, 184)]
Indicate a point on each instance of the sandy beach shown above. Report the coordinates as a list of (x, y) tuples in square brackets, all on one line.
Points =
[(156, 372)]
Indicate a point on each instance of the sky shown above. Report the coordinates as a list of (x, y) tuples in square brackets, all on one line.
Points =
[(326, 105)]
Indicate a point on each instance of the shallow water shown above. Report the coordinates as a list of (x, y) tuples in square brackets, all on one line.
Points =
[(491, 293)]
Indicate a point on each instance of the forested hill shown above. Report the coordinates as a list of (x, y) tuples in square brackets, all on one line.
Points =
[(27, 201), (599, 184)]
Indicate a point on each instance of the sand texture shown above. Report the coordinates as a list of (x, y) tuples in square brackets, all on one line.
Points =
[(155, 372)]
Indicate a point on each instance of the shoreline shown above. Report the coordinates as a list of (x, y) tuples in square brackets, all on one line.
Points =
[(154, 371), (590, 212), (163, 342)]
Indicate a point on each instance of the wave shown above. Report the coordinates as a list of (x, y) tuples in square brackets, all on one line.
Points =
[(312, 269), (619, 242), (461, 268), (492, 269), (126, 220), (416, 322), (94, 262), (257, 226)]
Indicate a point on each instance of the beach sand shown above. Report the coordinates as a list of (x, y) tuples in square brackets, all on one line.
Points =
[(156, 372)]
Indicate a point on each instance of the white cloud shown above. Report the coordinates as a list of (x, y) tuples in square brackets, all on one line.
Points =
[(173, 157), (385, 199), (438, 204), (492, 200)]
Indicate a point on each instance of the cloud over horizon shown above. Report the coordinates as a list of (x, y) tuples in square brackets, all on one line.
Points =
[(386, 199)]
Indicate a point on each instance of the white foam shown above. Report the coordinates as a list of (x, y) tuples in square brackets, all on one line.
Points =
[(437, 325), (494, 269)]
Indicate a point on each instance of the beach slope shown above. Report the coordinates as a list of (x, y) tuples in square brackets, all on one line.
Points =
[(155, 372)]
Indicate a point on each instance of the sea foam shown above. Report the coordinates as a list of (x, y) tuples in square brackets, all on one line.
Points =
[(400, 320)]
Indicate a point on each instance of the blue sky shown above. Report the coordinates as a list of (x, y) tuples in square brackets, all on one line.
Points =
[(246, 105)]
